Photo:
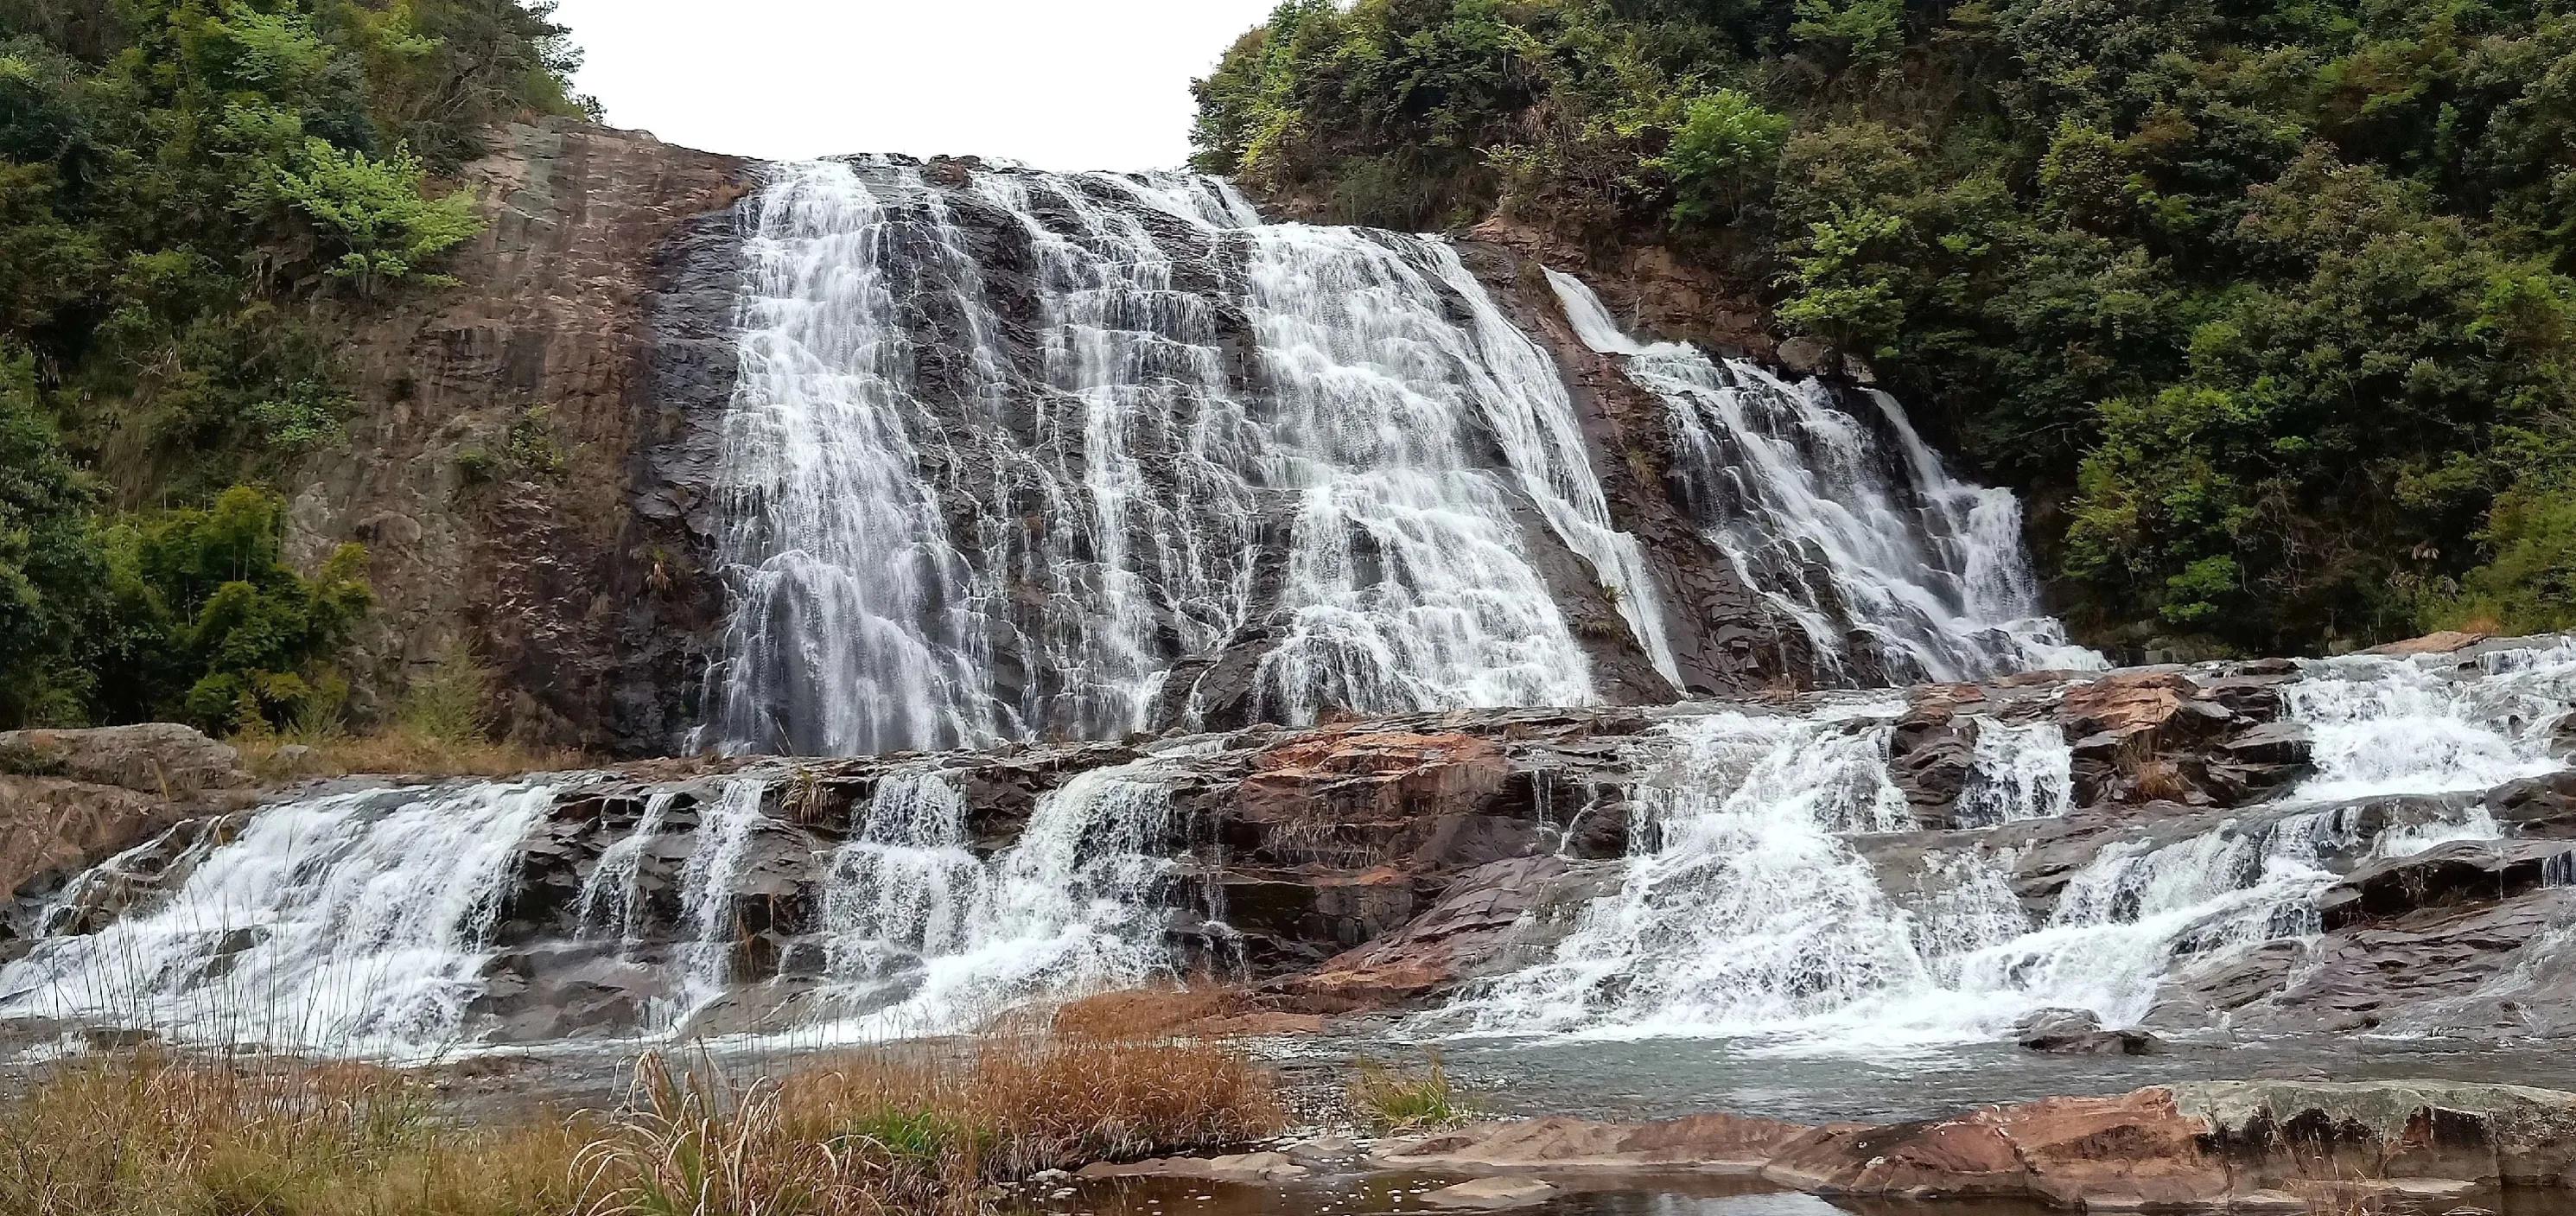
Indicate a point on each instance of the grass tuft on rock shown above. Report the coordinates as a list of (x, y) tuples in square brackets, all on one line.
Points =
[(1408, 1101)]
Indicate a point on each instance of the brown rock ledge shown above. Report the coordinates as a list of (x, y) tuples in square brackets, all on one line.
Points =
[(2239, 1144)]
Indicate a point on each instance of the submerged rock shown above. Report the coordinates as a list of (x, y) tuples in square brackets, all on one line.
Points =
[(1491, 1194)]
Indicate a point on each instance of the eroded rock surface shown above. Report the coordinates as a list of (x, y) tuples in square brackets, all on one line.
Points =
[(493, 466), (71, 798), (2235, 1144)]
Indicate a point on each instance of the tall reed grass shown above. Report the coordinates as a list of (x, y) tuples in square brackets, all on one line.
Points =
[(923, 1127)]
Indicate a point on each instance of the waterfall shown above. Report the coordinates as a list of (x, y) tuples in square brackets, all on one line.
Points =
[(1747, 912), (1845, 527), (2415, 725), (709, 884), (612, 898), (1012, 452), (927, 938), (1743, 907), (1777, 892), (2016, 773), (353, 923)]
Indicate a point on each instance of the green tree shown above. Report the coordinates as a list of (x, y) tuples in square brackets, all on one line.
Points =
[(1726, 144), (375, 213), (243, 630), (50, 566)]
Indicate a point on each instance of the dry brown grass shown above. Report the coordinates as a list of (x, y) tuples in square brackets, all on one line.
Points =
[(2151, 777), (1037, 1101), (149, 1135), (399, 750), (910, 1128), (1150, 1013)]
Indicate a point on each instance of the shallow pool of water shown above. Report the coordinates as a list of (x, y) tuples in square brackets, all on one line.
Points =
[(1666, 1078)]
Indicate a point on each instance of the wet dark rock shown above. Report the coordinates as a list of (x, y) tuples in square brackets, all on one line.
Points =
[(2080, 1032), (2450, 875)]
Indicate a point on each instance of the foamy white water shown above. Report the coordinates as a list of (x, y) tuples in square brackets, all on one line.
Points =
[(1843, 526), (1744, 908), (929, 939), (2017, 772), (932, 543), (612, 898), (1747, 912), (708, 889), (2418, 725), (353, 924)]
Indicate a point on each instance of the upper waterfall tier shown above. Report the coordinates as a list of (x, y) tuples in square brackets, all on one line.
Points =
[(1848, 524), (1016, 454)]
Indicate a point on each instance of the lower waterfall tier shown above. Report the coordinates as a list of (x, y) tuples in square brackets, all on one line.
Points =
[(2375, 841)]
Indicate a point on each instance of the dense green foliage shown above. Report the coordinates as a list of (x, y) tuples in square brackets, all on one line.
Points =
[(197, 199), (2266, 301)]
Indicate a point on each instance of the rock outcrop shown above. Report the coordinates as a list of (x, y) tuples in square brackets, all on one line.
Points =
[(1727, 639), (2252, 1144), (493, 468), (71, 798)]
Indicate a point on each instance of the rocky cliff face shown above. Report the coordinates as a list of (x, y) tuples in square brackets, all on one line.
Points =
[(1727, 640), (495, 469)]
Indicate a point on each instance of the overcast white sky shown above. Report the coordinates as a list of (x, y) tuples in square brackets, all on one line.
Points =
[(1060, 84)]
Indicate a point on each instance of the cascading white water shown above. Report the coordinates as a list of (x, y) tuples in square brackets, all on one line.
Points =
[(852, 633), (1743, 908), (1407, 586), (928, 938), (1840, 530), (354, 923), (612, 898), (709, 884), (970, 497), (1747, 912), (905, 887), (2117, 928), (2017, 772), (2391, 725)]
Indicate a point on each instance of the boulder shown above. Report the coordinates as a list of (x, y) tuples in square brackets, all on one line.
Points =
[(2448, 641), (1704, 1142), (70, 799), (161, 758), (2080, 1032), (2461, 872), (1474, 921), (1240, 1167)]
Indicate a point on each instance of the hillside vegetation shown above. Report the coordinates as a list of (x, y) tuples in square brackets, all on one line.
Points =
[(2266, 302), (198, 198)]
